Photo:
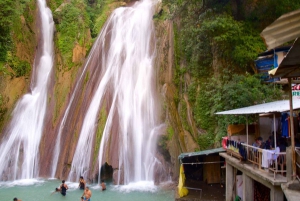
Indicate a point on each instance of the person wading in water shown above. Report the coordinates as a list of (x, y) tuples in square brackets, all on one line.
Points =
[(103, 185), (81, 183), (87, 194), (63, 188)]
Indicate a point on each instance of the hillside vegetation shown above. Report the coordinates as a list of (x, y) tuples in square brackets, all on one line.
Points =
[(77, 24), (216, 43)]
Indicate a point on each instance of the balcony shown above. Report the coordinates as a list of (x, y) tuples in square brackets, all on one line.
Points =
[(270, 165)]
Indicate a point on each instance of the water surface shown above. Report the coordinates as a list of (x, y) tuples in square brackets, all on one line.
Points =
[(41, 190)]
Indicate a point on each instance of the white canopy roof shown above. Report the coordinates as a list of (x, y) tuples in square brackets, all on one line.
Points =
[(277, 106)]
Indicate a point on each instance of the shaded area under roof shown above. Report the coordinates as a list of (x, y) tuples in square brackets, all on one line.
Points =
[(271, 107), (278, 49), (286, 28), (200, 153), (290, 65)]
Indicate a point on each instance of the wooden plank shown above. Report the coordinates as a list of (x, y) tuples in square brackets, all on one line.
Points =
[(212, 171)]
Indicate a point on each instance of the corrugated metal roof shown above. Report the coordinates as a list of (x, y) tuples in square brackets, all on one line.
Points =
[(276, 106), (290, 65), (286, 28), (200, 153)]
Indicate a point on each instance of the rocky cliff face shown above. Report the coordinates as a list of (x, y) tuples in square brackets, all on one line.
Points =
[(175, 137), (179, 139), (25, 38)]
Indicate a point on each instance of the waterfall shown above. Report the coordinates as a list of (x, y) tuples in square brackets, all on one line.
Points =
[(126, 48), (66, 114), (19, 148)]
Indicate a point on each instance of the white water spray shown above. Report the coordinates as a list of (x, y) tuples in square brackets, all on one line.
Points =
[(128, 74), (19, 148)]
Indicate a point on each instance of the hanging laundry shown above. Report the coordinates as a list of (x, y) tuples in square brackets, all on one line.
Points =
[(285, 124)]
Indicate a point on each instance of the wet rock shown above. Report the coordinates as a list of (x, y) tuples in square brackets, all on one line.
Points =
[(116, 177)]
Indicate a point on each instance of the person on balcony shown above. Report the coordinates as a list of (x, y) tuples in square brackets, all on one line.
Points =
[(258, 142), (282, 144), (268, 143)]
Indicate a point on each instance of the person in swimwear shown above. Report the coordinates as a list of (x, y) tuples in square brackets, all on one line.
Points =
[(103, 185), (81, 183), (87, 194), (16, 199), (55, 191), (63, 188)]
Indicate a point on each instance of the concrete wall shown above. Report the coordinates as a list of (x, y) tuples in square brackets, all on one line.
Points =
[(276, 193)]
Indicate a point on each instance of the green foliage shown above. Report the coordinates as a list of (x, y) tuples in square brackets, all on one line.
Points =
[(206, 141), (184, 115), (267, 11), (225, 33), (73, 24), (170, 132), (54, 4), (163, 147), (97, 12), (11, 13), (192, 92), (221, 37), (87, 77), (2, 109), (101, 125), (230, 93), (178, 70), (7, 11), (20, 67)]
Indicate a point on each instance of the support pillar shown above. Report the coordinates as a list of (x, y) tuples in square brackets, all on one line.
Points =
[(289, 164), (276, 193), (229, 182), (248, 188)]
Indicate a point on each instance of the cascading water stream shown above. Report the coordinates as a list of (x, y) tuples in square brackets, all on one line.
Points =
[(127, 57), (66, 114), (19, 148)]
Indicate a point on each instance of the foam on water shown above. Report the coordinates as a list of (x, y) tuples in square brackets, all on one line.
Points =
[(21, 182), (141, 186)]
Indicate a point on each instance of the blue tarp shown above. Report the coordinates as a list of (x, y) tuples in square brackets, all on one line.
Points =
[(266, 64)]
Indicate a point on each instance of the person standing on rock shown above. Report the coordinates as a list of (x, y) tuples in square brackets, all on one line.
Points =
[(81, 183)]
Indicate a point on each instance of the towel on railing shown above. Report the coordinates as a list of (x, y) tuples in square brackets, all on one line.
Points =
[(266, 157), (269, 156)]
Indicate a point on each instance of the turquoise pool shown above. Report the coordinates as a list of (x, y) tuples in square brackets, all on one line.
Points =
[(41, 190)]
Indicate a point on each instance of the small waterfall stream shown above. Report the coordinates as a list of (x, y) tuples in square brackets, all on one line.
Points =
[(19, 148), (127, 50)]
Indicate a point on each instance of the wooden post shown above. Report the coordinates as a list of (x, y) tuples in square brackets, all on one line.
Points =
[(292, 129), (259, 158), (247, 134)]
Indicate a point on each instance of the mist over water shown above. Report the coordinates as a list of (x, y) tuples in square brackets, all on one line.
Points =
[(19, 156), (127, 50)]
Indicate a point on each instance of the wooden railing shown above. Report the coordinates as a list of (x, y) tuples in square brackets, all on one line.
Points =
[(271, 160), (297, 150), (279, 164), (254, 155)]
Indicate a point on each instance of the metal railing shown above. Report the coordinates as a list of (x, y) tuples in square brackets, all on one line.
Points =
[(196, 189)]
